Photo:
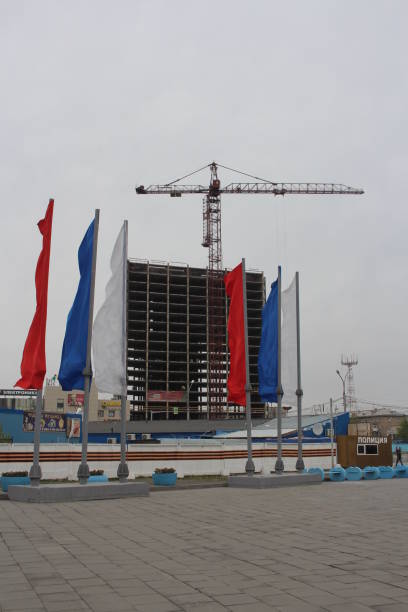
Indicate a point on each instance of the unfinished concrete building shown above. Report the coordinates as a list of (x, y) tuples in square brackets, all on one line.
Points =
[(168, 357)]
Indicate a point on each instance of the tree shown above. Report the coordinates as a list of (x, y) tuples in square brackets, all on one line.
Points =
[(3, 436), (402, 431)]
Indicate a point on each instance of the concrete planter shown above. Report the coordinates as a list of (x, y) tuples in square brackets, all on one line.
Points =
[(371, 473), (6, 481), (386, 471), (164, 480), (316, 470), (337, 474), (99, 478), (354, 473)]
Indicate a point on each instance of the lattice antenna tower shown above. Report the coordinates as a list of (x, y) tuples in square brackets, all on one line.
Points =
[(349, 362)]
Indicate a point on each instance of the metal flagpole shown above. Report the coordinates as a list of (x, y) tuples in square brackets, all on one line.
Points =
[(331, 432), (249, 466), (123, 469), (35, 470), (83, 469), (279, 467), (300, 466)]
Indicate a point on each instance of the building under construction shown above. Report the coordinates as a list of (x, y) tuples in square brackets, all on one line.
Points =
[(173, 368)]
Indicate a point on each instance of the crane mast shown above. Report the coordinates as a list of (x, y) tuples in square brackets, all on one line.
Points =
[(216, 312), (212, 241)]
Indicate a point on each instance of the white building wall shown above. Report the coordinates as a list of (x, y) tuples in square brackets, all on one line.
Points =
[(184, 466)]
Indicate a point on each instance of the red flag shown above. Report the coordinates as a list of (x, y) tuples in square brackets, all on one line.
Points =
[(33, 364), (236, 337)]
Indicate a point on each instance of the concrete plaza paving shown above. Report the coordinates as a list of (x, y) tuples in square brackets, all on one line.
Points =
[(336, 547)]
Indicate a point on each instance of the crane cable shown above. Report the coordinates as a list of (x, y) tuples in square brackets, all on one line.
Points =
[(257, 178), (187, 175)]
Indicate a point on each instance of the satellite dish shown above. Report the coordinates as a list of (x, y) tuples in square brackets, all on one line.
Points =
[(317, 429)]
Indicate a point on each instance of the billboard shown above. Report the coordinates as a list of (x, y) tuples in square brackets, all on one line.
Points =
[(110, 403), (76, 400), (166, 396), (18, 392), (73, 427), (49, 422)]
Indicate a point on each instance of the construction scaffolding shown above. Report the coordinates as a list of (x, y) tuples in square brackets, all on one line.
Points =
[(169, 342)]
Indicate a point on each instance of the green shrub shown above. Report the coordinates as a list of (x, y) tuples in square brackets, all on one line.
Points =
[(402, 431), (164, 471), (3, 436)]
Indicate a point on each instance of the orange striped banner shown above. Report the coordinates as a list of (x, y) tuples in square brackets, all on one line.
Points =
[(55, 456)]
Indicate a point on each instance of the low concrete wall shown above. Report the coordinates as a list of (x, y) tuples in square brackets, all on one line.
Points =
[(71, 492), (188, 457)]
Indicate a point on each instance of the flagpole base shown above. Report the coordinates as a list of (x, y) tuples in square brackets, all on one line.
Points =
[(300, 466), (35, 475), (250, 467), (83, 473), (123, 472), (279, 467)]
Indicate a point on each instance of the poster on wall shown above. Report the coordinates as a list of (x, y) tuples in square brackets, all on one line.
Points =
[(166, 396), (73, 427), (49, 422), (76, 400)]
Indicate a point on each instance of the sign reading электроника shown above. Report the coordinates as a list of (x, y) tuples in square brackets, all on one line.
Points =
[(18, 392), (370, 440)]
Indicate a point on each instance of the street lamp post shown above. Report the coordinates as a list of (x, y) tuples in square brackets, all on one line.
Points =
[(188, 398), (343, 380)]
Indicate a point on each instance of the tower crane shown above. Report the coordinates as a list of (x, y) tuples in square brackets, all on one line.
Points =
[(212, 240)]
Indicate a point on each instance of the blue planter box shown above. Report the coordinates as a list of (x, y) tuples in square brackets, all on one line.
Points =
[(371, 473), (354, 473), (6, 481), (316, 470), (401, 471), (100, 478), (386, 471), (164, 480), (337, 474)]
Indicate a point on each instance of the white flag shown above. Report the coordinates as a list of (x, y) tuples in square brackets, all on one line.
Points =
[(109, 330), (289, 345)]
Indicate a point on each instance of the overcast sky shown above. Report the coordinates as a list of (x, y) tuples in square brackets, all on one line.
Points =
[(99, 96)]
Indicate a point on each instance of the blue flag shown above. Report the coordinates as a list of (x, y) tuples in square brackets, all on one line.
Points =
[(73, 359), (268, 350)]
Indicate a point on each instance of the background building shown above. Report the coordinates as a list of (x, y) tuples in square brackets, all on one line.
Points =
[(56, 401), (168, 356)]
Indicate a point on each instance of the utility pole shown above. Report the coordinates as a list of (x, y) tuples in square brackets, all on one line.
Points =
[(331, 432), (344, 391)]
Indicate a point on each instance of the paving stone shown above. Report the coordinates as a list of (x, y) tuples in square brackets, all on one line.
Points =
[(191, 598), (353, 607), (397, 607), (206, 607), (257, 607), (65, 606), (238, 598)]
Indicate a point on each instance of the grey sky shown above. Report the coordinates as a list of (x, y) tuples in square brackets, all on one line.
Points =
[(98, 96)]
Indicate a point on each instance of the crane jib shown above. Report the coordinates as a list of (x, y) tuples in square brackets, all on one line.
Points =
[(252, 188)]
